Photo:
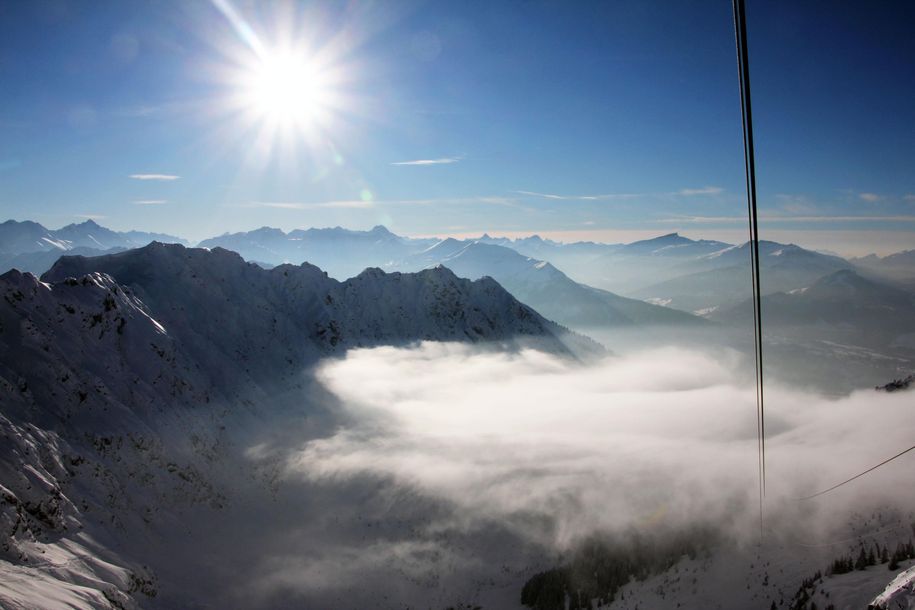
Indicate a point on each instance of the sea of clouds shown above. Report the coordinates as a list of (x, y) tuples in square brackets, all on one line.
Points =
[(666, 436)]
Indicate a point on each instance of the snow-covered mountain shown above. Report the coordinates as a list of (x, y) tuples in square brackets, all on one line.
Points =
[(27, 236), (722, 279), (616, 267), (84, 374), (899, 266), (135, 384), (624, 268), (672, 245), (217, 295), (28, 246), (544, 287), (343, 253), (570, 256), (533, 281), (843, 307)]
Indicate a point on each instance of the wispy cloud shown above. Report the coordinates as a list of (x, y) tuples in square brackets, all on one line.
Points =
[(161, 177), (869, 197), (601, 197), (149, 202), (909, 197), (705, 190), (442, 161), (685, 192), (782, 218)]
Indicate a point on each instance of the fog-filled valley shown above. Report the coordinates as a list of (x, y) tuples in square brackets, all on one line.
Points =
[(446, 423)]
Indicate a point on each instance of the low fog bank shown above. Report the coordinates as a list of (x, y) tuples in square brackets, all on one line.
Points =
[(801, 358), (665, 437)]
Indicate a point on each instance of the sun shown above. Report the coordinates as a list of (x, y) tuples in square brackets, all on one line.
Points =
[(287, 93), (287, 89)]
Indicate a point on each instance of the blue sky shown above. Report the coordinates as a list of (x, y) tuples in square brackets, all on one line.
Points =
[(609, 121)]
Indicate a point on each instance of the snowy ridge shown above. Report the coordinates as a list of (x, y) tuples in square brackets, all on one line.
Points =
[(900, 593), (292, 315)]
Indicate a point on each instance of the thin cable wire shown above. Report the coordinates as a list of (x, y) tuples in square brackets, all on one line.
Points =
[(743, 70), (860, 474)]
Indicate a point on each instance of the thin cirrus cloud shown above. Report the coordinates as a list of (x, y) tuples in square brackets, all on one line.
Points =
[(159, 177), (442, 161), (685, 192), (150, 202), (771, 218), (869, 197), (581, 197), (705, 190)]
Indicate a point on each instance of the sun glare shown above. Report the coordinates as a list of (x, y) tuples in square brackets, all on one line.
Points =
[(287, 89)]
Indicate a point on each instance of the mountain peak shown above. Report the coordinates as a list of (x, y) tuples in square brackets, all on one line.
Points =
[(842, 277), (380, 230)]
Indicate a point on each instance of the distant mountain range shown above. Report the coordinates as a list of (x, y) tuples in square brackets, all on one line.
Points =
[(341, 252), (29, 246), (27, 236), (899, 266), (544, 287), (720, 279), (843, 307), (583, 284)]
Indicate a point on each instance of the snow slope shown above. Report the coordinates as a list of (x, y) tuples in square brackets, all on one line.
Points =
[(899, 593)]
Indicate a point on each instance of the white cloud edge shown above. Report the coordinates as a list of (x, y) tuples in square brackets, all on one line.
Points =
[(159, 177), (440, 161), (684, 192)]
